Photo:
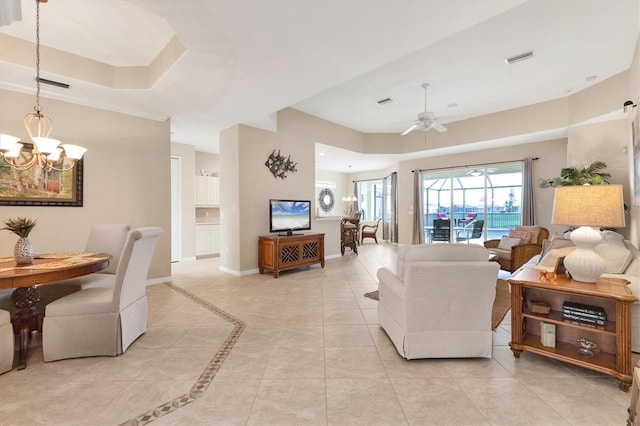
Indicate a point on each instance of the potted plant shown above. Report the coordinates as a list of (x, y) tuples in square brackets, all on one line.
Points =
[(589, 175), (23, 252)]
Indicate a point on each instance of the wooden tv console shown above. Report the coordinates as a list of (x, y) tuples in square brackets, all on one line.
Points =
[(281, 252), (613, 339)]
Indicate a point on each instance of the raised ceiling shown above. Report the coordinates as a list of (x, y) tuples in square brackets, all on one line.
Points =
[(244, 60)]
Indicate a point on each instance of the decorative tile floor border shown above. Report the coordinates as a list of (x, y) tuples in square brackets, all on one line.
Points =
[(210, 370)]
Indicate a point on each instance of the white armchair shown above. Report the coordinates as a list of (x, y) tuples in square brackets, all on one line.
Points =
[(438, 304), (103, 320)]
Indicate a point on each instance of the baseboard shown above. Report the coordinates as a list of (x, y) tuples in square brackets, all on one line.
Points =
[(238, 273), (155, 281)]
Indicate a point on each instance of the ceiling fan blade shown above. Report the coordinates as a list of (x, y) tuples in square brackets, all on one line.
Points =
[(427, 125), (409, 130), (439, 127)]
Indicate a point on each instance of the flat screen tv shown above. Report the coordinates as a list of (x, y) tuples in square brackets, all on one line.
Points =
[(288, 216)]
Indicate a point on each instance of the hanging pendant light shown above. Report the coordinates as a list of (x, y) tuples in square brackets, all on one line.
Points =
[(351, 197), (47, 152)]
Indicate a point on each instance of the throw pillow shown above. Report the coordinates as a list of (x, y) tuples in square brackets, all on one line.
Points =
[(507, 242), (614, 252), (535, 231), (525, 236), (551, 258), (555, 243)]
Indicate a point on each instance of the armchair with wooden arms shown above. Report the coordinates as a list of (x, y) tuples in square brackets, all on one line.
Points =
[(512, 258), (370, 231)]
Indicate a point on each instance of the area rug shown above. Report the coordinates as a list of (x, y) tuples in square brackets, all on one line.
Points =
[(373, 295), (501, 304)]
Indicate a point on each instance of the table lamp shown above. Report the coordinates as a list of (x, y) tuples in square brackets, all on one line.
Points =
[(587, 206)]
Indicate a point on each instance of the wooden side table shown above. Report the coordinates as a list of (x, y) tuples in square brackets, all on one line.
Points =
[(613, 339)]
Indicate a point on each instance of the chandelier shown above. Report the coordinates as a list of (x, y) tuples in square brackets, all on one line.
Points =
[(46, 153)]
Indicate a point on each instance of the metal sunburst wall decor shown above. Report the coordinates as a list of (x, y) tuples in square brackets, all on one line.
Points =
[(279, 165)]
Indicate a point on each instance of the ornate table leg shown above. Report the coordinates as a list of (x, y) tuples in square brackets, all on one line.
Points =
[(24, 299)]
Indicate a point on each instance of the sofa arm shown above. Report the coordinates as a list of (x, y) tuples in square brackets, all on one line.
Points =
[(491, 244), (388, 281), (521, 253)]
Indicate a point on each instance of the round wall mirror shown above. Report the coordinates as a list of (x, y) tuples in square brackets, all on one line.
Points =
[(326, 200)]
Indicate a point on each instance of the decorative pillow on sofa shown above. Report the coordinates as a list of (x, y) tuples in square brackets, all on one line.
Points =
[(525, 236), (634, 266), (614, 252), (552, 256), (556, 242), (507, 242)]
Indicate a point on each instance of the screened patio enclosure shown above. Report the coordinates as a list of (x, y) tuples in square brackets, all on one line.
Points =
[(463, 196)]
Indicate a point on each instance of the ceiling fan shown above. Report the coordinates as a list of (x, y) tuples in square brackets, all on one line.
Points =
[(426, 120)]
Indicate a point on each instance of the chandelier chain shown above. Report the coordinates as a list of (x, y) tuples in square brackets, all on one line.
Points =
[(37, 107), (45, 151)]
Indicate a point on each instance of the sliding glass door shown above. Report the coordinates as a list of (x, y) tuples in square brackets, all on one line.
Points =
[(474, 203), (377, 200)]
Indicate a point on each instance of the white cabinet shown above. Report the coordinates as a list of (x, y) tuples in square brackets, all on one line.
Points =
[(207, 239), (207, 191)]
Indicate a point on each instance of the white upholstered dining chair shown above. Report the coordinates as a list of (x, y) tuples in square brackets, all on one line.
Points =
[(104, 238), (7, 342), (103, 321), (110, 239)]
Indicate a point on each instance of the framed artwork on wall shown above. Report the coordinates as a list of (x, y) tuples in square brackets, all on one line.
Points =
[(38, 187)]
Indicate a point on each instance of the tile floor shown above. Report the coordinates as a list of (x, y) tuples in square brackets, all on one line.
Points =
[(301, 349)]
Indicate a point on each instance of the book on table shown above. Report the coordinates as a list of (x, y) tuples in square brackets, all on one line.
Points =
[(584, 309), (584, 314)]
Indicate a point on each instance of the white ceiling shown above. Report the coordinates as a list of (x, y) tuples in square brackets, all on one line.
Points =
[(247, 59)]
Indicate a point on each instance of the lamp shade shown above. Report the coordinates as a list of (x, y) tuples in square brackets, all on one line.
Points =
[(14, 152), (588, 207), (74, 152), (46, 145), (55, 155), (8, 142), (592, 205)]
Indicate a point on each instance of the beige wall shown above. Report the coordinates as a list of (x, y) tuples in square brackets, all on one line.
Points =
[(633, 225), (243, 152), (188, 213), (126, 176), (230, 200), (208, 162), (608, 142)]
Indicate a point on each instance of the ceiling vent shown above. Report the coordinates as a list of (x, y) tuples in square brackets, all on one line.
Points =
[(384, 101), (53, 83), (520, 57)]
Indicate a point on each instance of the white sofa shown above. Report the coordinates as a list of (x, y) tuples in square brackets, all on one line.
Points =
[(7, 341), (438, 303), (631, 273)]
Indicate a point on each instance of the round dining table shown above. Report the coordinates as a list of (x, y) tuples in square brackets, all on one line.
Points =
[(25, 279)]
